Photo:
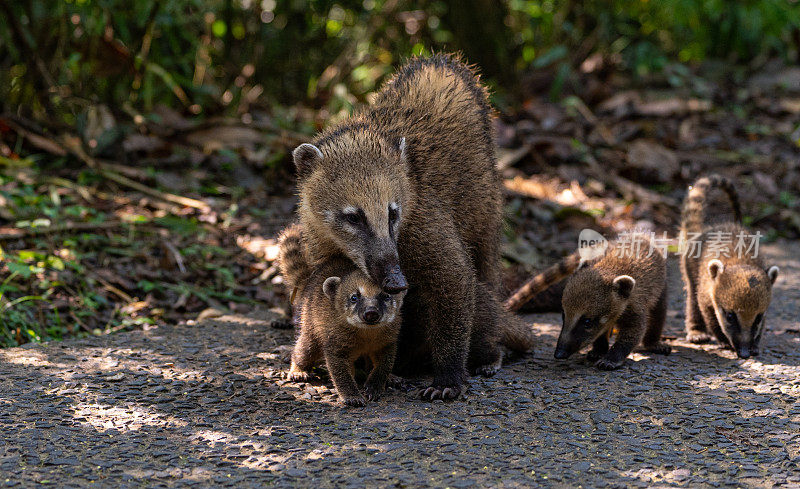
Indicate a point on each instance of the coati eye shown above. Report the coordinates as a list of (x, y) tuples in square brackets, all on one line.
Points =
[(353, 298), (587, 322), (353, 218), (392, 214), (383, 296), (730, 316)]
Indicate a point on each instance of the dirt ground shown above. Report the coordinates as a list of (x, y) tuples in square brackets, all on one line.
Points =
[(205, 405)]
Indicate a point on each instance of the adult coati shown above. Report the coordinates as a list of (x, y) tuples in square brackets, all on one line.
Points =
[(408, 190), (728, 287), (623, 290), (342, 315)]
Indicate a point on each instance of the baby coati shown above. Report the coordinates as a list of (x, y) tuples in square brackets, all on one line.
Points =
[(408, 190), (624, 290), (728, 287), (342, 315)]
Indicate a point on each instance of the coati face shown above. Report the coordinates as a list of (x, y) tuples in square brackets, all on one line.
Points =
[(740, 296), (354, 196), (591, 305), (360, 302)]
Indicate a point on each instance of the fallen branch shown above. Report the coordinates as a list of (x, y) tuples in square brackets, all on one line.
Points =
[(74, 146)]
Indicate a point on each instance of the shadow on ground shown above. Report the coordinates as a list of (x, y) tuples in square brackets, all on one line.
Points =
[(206, 405)]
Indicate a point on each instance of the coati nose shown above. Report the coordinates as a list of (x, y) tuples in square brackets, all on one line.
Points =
[(371, 315), (561, 353), (743, 352), (395, 281)]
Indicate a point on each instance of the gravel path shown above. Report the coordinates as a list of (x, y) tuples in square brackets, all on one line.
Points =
[(204, 405)]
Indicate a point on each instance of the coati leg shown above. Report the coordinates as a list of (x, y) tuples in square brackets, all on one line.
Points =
[(696, 330), (487, 256), (631, 327), (655, 326), (695, 325), (340, 367), (485, 355), (446, 304), (710, 318), (305, 355), (599, 348), (382, 363)]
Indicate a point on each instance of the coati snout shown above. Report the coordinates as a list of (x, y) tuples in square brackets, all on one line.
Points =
[(387, 272)]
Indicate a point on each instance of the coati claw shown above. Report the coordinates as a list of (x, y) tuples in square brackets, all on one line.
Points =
[(298, 376), (433, 393), (488, 370), (355, 401), (606, 364), (698, 337), (372, 393)]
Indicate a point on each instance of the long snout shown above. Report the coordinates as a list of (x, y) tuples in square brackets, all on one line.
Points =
[(384, 269), (395, 281), (561, 353), (565, 348)]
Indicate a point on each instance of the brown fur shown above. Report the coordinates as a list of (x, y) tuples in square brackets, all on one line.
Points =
[(293, 264), (333, 329), (624, 291), (425, 145), (292, 258), (727, 296)]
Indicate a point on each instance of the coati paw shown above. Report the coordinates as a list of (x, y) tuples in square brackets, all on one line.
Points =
[(373, 392), (488, 370), (659, 348), (354, 401), (435, 392), (698, 337), (397, 382), (297, 375), (606, 364)]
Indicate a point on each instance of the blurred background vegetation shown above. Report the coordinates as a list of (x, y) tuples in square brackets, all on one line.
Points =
[(211, 57), (144, 145)]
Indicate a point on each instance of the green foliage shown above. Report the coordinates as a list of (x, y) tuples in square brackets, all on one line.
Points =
[(208, 56), (648, 34)]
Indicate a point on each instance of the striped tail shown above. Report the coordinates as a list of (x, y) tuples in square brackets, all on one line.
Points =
[(693, 215), (542, 281), (292, 259)]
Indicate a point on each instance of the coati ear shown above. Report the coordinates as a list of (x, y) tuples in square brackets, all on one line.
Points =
[(772, 273), (715, 267), (583, 264), (305, 157), (623, 285), (330, 285)]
